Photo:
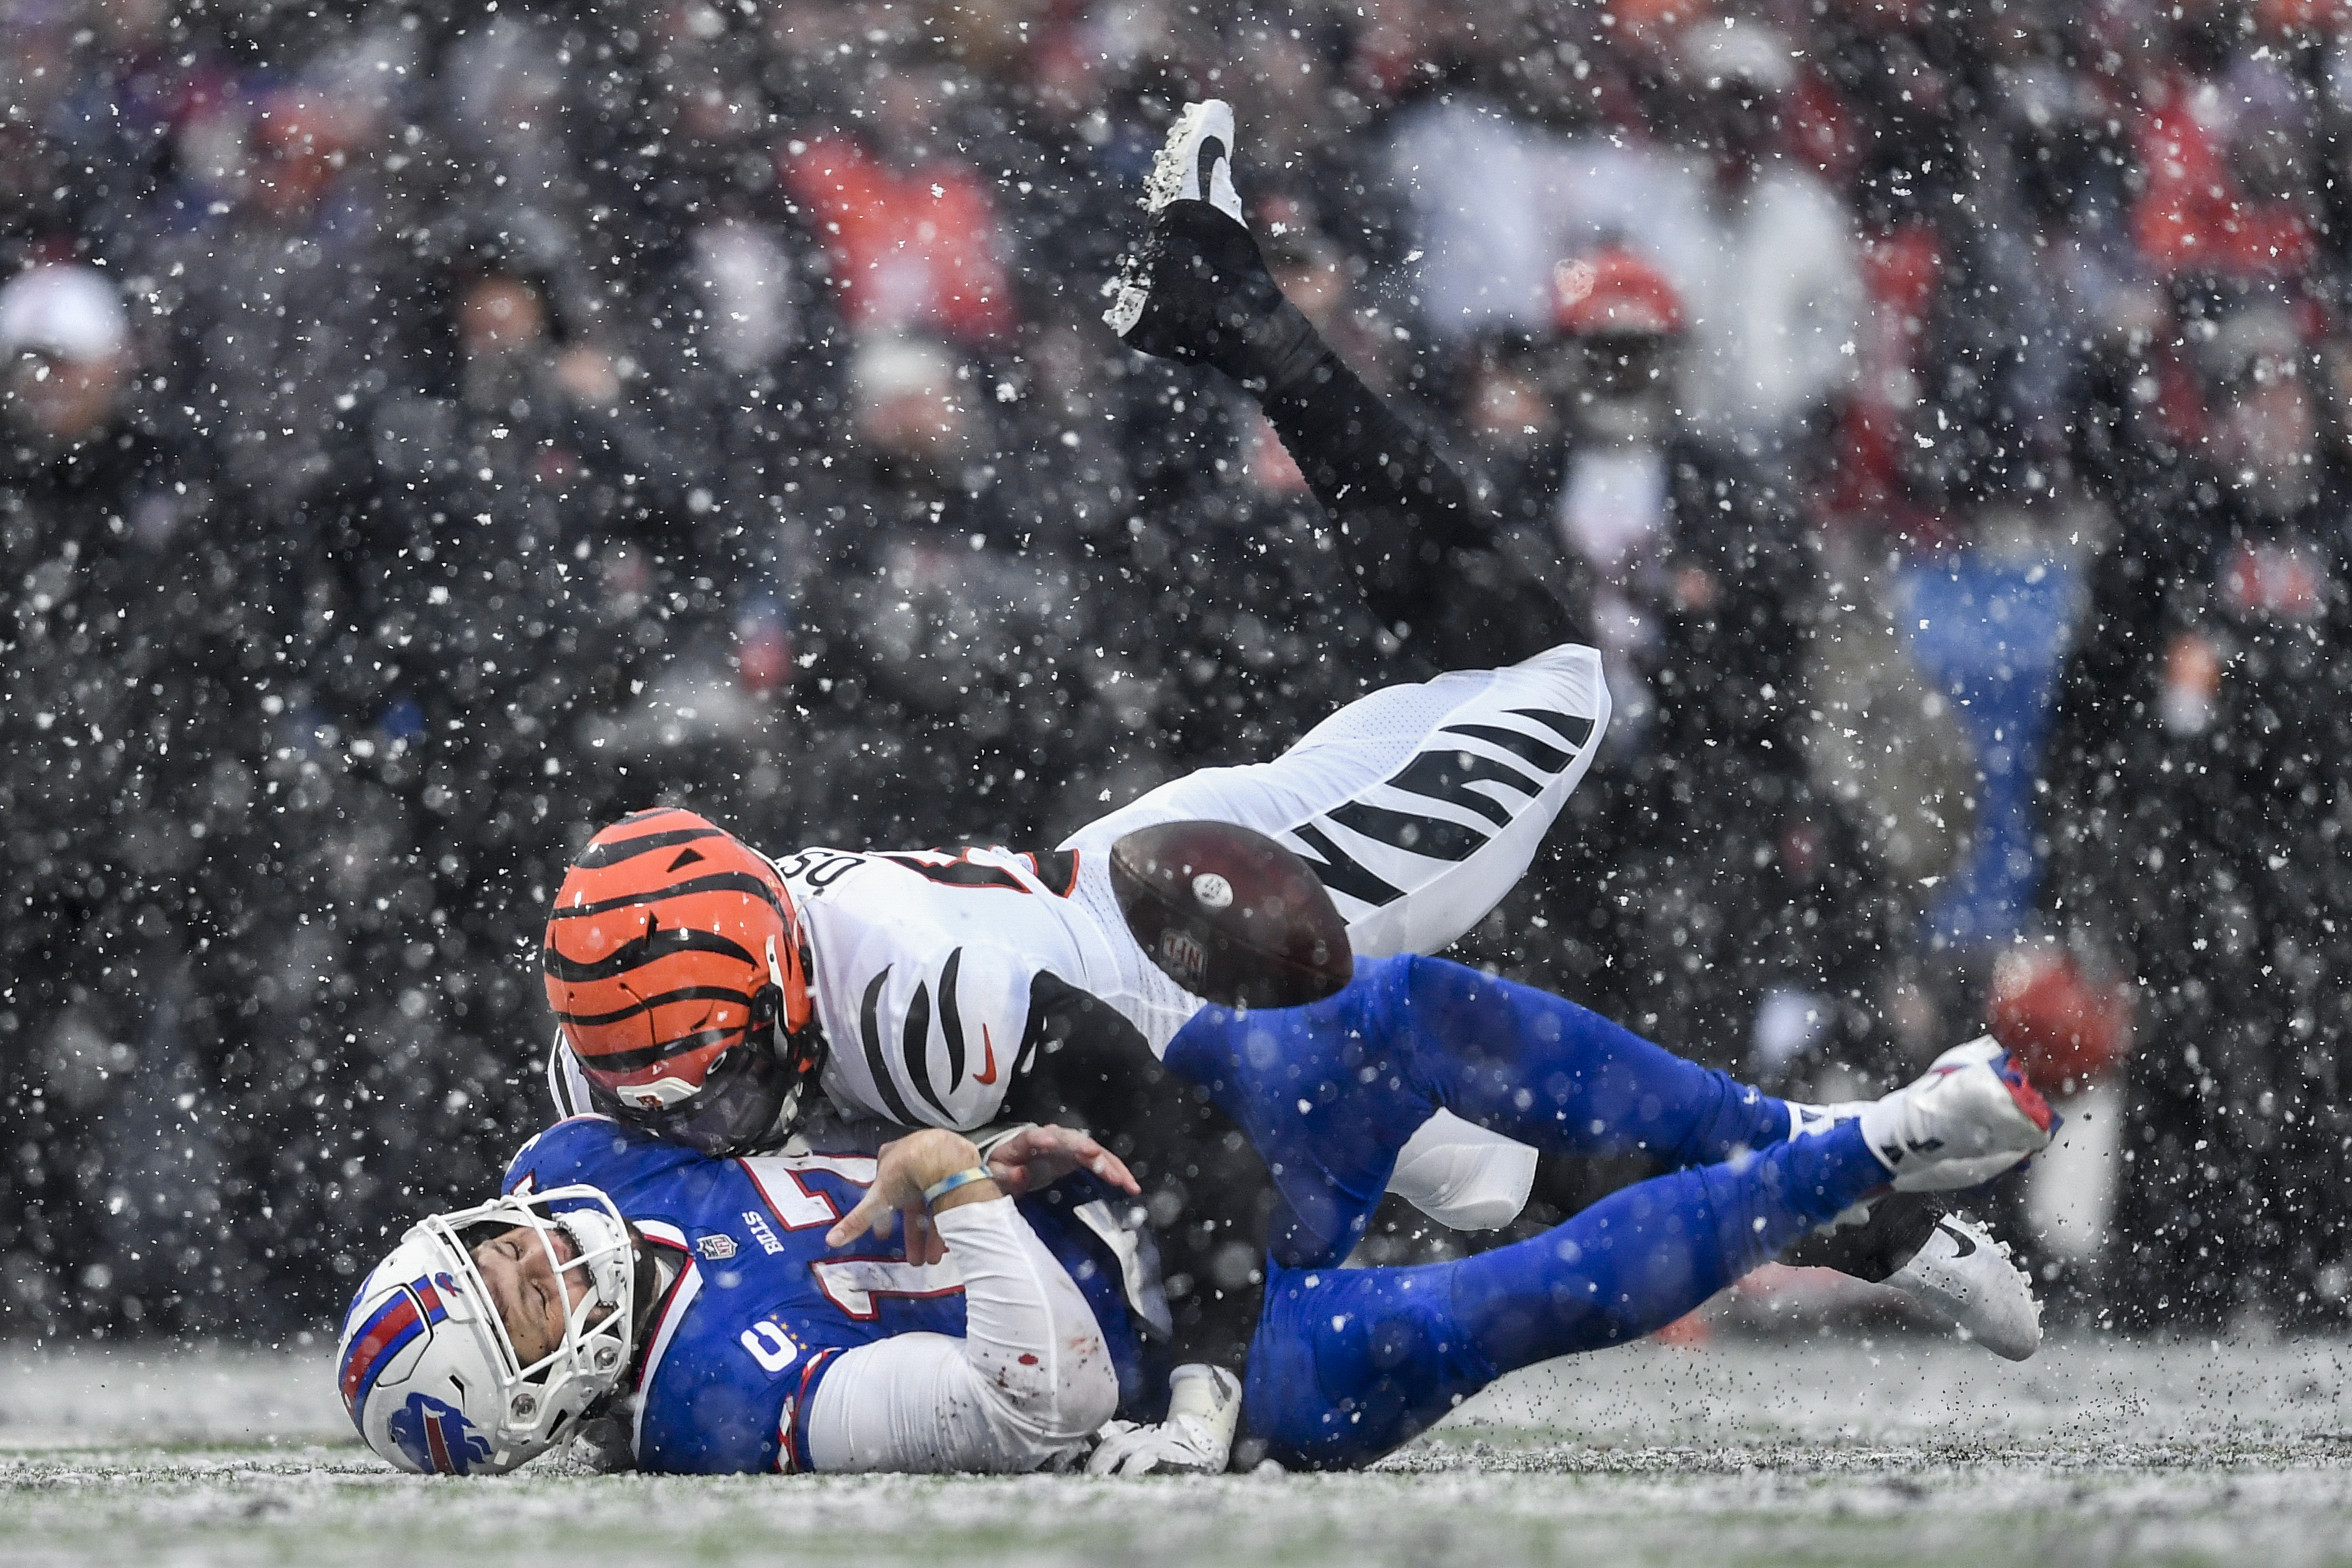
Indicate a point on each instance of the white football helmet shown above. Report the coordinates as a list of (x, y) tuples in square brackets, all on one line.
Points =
[(428, 1371)]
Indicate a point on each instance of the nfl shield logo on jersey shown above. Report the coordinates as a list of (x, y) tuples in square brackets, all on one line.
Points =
[(438, 1436), (716, 1248)]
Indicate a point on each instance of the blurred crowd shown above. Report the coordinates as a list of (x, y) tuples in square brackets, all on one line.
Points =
[(428, 430)]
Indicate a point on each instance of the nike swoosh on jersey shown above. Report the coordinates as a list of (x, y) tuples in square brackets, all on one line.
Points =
[(988, 1046)]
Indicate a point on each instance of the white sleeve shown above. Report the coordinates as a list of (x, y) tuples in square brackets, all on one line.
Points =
[(1031, 1380)]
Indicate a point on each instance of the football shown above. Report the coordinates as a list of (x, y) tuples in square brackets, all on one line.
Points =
[(1230, 915)]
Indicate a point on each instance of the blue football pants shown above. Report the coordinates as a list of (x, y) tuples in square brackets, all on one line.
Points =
[(1347, 1364)]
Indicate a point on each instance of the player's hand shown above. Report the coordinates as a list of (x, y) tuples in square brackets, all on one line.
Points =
[(1183, 1447), (1036, 1157), (905, 1168), (1205, 1410)]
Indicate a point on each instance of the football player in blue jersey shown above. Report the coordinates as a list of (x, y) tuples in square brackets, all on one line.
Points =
[(746, 1314)]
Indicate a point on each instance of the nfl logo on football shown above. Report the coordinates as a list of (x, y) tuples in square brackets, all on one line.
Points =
[(1183, 955)]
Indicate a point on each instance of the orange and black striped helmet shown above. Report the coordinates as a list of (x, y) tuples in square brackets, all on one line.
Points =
[(673, 943)]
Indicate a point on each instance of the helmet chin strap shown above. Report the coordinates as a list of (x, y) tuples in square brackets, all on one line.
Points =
[(788, 1114), (605, 1242)]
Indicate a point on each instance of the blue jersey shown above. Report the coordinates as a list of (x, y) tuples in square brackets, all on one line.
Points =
[(761, 1305)]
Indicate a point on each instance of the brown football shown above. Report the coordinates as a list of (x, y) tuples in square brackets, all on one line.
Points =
[(1229, 914)]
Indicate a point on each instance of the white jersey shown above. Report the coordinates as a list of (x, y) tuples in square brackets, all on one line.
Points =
[(1419, 806), (924, 963)]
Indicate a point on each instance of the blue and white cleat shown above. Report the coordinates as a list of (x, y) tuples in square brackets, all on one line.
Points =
[(1967, 1119)]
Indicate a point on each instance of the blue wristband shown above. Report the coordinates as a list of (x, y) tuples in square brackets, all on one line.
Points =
[(948, 1184)]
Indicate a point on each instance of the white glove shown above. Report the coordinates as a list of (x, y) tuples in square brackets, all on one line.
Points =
[(1205, 1406)]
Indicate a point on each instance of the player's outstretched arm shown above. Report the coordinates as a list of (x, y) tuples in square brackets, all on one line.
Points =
[(1032, 1158), (1031, 1379), (1200, 292)]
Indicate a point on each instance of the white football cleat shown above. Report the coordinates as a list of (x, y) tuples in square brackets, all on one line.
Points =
[(1196, 163), (1972, 1116), (1198, 274), (1965, 1279)]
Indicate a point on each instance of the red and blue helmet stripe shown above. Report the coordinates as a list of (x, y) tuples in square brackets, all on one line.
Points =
[(411, 1311)]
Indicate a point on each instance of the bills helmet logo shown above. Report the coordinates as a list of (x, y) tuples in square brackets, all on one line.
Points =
[(438, 1438)]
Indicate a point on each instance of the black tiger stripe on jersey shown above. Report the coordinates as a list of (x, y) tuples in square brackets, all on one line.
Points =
[(951, 1019), (1578, 729), (722, 882), (1058, 870), (1407, 831), (599, 856), (958, 873), (1447, 776), (683, 993), (1517, 742), (658, 942), (915, 1046), (1339, 871), (559, 1082), (869, 1030)]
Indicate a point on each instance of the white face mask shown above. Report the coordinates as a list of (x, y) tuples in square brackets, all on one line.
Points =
[(603, 1241)]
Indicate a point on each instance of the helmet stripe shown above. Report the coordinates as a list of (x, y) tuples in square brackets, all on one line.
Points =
[(394, 1325), (728, 881), (647, 1055), (598, 856), (684, 994), (659, 943)]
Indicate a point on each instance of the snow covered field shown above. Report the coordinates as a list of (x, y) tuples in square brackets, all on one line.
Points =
[(1901, 1450)]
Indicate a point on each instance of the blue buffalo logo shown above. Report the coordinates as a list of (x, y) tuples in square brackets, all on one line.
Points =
[(438, 1438)]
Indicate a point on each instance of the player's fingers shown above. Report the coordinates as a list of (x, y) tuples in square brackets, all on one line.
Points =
[(872, 1214), (923, 1242), (1107, 1165), (1006, 1164)]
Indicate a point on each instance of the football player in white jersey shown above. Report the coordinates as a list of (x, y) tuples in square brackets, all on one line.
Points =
[(703, 989)]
